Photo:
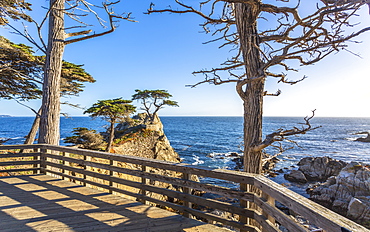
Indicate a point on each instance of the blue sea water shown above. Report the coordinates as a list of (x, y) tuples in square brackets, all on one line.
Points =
[(208, 141)]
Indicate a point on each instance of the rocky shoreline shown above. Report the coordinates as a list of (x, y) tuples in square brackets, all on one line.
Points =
[(340, 186)]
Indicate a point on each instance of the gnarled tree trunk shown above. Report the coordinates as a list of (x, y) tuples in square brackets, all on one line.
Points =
[(252, 94), (251, 91), (111, 136), (30, 138), (50, 116)]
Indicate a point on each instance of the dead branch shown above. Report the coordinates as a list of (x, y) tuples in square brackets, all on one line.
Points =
[(322, 33), (282, 134), (111, 16)]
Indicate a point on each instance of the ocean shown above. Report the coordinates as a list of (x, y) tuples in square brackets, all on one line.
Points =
[(210, 141)]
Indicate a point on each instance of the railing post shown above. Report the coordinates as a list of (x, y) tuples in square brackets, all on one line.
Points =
[(66, 163), (270, 201), (43, 161), (63, 163), (36, 165), (144, 183), (244, 204), (111, 174), (187, 204), (86, 158)]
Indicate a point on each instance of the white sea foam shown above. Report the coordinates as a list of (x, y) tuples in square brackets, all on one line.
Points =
[(198, 161)]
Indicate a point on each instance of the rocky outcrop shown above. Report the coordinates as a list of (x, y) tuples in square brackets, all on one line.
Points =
[(143, 138), (315, 169), (345, 188), (348, 193)]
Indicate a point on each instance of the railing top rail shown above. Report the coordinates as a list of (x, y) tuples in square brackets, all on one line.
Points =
[(228, 175), (315, 213)]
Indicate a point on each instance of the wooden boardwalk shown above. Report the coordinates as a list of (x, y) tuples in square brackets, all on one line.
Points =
[(44, 203)]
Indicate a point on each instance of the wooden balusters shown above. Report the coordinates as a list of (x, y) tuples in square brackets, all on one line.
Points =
[(36, 150), (43, 161), (271, 202), (186, 190), (144, 182)]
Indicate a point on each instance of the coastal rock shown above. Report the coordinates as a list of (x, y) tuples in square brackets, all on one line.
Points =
[(296, 176), (366, 139), (320, 168), (143, 138), (348, 193)]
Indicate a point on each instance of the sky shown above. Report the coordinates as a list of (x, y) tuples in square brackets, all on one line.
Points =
[(161, 51)]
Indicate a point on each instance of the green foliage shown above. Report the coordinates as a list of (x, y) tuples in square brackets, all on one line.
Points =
[(134, 135), (87, 139), (22, 73), (112, 109), (153, 100), (15, 10), (73, 76)]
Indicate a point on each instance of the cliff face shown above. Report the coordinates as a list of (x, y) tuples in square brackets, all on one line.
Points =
[(142, 138), (145, 139)]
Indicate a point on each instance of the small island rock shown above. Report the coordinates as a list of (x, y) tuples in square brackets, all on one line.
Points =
[(366, 139)]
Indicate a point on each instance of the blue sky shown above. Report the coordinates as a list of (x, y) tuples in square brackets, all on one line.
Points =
[(162, 50)]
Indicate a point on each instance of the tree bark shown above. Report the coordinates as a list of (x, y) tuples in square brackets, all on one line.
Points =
[(35, 127), (50, 116), (246, 20), (251, 92), (111, 137)]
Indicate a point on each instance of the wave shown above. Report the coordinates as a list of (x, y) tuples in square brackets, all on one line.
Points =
[(197, 159)]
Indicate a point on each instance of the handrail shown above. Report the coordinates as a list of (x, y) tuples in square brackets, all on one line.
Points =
[(105, 170)]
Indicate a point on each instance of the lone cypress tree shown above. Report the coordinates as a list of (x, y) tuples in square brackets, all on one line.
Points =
[(112, 111), (153, 101)]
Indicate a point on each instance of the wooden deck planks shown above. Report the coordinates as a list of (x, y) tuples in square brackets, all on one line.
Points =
[(44, 203)]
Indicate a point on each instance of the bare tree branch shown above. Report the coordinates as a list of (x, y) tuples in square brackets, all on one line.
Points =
[(281, 134)]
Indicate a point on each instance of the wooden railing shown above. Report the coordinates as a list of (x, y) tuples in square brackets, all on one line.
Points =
[(105, 170)]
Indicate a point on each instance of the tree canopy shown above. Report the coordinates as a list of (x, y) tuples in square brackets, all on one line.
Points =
[(112, 110), (85, 138), (13, 10), (153, 100), (22, 73)]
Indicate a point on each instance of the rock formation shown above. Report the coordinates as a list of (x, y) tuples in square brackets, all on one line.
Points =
[(143, 138), (140, 137), (315, 169), (348, 193), (366, 139), (345, 188)]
